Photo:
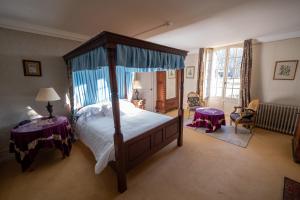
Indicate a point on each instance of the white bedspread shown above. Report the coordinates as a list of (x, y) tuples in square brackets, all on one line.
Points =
[(96, 132)]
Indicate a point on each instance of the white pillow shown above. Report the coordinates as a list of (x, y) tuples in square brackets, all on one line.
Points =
[(125, 108), (107, 109), (90, 110)]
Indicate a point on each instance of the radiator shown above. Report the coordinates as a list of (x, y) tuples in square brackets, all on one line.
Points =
[(276, 117)]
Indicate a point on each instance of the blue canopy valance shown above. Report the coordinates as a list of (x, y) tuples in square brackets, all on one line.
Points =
[(94, 59), (134, 57)]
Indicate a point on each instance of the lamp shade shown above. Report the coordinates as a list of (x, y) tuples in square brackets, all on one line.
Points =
[(137, 85), (47, 94)]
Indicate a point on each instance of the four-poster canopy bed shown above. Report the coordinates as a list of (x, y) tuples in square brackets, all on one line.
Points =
[(112, 50)]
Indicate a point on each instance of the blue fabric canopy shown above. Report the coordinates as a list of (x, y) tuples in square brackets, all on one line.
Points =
[(136, 59), (125, 80), (133, 57), (90, 87), (90, 71), (93, 86), (93, 59)]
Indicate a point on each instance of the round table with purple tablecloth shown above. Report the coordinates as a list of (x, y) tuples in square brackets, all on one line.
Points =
[(28, 138), (211, 118)]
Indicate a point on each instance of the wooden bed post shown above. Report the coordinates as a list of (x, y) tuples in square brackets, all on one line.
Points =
[(180, 109), (118, 137)]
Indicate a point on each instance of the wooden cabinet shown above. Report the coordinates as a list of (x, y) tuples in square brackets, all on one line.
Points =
[(163, 103), (296, 141)]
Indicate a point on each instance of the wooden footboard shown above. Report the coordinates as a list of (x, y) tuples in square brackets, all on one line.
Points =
[(141, 147)]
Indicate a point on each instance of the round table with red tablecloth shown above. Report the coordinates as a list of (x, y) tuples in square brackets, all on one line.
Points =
[(210, 118)]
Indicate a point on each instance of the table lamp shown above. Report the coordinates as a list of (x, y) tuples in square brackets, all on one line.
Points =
[(47, 95), (137, 85)]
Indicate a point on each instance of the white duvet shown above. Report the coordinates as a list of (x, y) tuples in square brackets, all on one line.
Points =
[(97, 131)]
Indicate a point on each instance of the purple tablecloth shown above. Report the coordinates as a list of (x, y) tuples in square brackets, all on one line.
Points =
[(211, 118), (27, 139)]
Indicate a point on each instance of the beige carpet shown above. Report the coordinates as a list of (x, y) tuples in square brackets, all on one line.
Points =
[(204, 168), (225, 133)]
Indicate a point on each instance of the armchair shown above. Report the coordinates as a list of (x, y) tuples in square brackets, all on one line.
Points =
[(245, 116), (193, 101)]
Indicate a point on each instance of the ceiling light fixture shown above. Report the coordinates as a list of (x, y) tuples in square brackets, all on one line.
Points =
[(168, 23)]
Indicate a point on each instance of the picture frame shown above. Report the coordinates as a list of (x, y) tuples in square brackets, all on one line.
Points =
[(171, 74), (190, 72), (32, 68), (285, 70)]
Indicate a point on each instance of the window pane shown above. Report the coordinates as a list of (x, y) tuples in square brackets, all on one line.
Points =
[(232, 52), (233, 73), (228, 93), (239, 52), (217, 76), (219, 92), (236, 93), (230, 83)]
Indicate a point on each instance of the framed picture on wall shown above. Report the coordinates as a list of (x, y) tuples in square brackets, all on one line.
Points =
[(285, 70), (171, 74), (190, 72), (32, 68)]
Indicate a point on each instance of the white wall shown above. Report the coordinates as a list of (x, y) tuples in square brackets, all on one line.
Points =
[(18, 91), (263, 86), (148, 91), (190, 85)]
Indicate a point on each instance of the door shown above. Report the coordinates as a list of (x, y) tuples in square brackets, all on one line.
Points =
[(224, 79), (147, 92), (232, 79), (216, 90)]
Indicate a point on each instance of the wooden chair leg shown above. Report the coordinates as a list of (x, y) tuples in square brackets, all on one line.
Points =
[(189, 114), (235, 129), (251, 127)]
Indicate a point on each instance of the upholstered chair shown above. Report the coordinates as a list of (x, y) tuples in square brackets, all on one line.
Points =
[(245, 116), (193, 101)]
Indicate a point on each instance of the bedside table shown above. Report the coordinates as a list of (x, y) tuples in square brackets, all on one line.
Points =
[(27, 138), (139, 103)]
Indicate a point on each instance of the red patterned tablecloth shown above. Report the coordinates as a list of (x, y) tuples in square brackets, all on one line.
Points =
[(27, 139), (211, 118)]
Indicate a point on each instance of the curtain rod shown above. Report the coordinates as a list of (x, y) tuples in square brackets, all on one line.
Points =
[(168, 23)]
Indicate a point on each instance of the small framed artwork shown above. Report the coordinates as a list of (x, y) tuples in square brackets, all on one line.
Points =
[(285, 70), (32, 68), (190, 72), (171, 74)]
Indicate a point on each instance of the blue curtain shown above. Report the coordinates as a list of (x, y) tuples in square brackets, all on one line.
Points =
[(133, 57), (120, 72), (93, 86), (124, 80), (90, 87), (129, 84)]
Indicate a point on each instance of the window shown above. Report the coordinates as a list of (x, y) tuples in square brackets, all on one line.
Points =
[(222, 72)]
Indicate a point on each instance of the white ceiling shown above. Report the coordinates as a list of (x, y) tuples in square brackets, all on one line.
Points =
[(264, 21), (195, 23)]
